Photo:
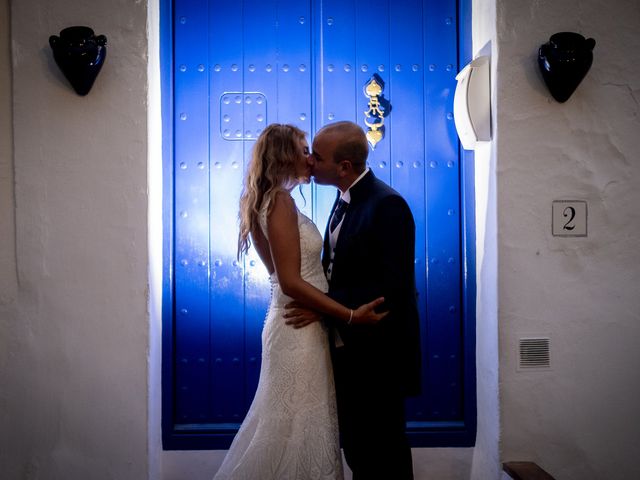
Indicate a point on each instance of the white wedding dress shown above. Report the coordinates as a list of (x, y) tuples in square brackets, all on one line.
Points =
[(291, 429)]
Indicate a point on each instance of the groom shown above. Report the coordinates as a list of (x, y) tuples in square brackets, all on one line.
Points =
[(368, 252)]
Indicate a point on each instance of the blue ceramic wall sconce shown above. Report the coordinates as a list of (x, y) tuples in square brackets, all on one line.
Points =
[(80, 55), (564, 61)]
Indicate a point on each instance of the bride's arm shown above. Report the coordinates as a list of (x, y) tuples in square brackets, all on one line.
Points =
[(284, 240)]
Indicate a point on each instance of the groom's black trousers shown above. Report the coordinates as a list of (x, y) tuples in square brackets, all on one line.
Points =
[(372, 422)]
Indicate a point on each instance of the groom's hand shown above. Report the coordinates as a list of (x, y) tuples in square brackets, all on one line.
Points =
[(298, 316)]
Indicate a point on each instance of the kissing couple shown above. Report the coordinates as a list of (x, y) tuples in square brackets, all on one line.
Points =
[(341, 340)]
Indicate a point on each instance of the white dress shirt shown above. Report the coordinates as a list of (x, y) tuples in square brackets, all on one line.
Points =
[(333, 236), (333, 240)]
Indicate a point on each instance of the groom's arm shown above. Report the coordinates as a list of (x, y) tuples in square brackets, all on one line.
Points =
[(396, 250), (389, 266), (388, 273)]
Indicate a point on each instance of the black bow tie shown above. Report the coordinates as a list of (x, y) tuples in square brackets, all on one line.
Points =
[(338, 214)]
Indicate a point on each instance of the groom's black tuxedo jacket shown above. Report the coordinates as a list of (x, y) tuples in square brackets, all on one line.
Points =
[(374, 257)]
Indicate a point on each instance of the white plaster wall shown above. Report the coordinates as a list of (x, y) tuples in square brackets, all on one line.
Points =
[(155, 240), (580, 419), (486, 456), (8, 280), (73, 402)]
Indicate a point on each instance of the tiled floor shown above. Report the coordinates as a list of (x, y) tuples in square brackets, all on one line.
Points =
[(428, 464)]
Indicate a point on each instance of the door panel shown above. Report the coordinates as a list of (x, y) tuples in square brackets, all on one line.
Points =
[(239, 66)]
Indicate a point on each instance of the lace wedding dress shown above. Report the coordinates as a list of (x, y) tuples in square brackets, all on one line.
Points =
[(291, 429)]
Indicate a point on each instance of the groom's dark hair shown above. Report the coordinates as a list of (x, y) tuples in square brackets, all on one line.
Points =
[(352, 146)]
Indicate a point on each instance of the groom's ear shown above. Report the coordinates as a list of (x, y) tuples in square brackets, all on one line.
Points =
[(345, 167)]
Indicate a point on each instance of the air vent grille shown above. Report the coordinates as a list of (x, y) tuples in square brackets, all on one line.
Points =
[(534, 353)]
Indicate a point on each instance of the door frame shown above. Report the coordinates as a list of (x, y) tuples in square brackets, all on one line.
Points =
[(438, 437)]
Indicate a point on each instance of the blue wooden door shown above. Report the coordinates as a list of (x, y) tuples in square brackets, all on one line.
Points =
[(238, 66)]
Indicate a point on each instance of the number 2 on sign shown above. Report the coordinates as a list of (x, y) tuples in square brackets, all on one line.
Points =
[(569, 218), (569, 212)]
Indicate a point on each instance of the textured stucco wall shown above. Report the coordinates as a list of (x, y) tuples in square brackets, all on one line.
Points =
[(74, 372), (8, 280), (579, 419), (8, 277), (486, 456)]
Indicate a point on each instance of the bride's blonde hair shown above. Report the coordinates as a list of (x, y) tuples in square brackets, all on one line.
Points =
[(271, 169)]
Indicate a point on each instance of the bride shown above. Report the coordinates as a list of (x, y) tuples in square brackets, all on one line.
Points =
[(291, 429)]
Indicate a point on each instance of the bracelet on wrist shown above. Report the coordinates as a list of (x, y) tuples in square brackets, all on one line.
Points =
[(350, 316)]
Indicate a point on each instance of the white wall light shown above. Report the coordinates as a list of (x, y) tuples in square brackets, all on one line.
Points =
[(472, 103)]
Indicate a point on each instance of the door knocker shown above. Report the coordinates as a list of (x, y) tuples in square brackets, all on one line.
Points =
[(378, 109)]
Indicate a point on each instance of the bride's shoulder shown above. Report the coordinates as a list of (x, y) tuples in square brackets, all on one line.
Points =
[(282, 199), (275, 196), (280, 205)]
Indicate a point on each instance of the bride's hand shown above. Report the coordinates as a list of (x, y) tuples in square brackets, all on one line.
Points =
[(365, 314)]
